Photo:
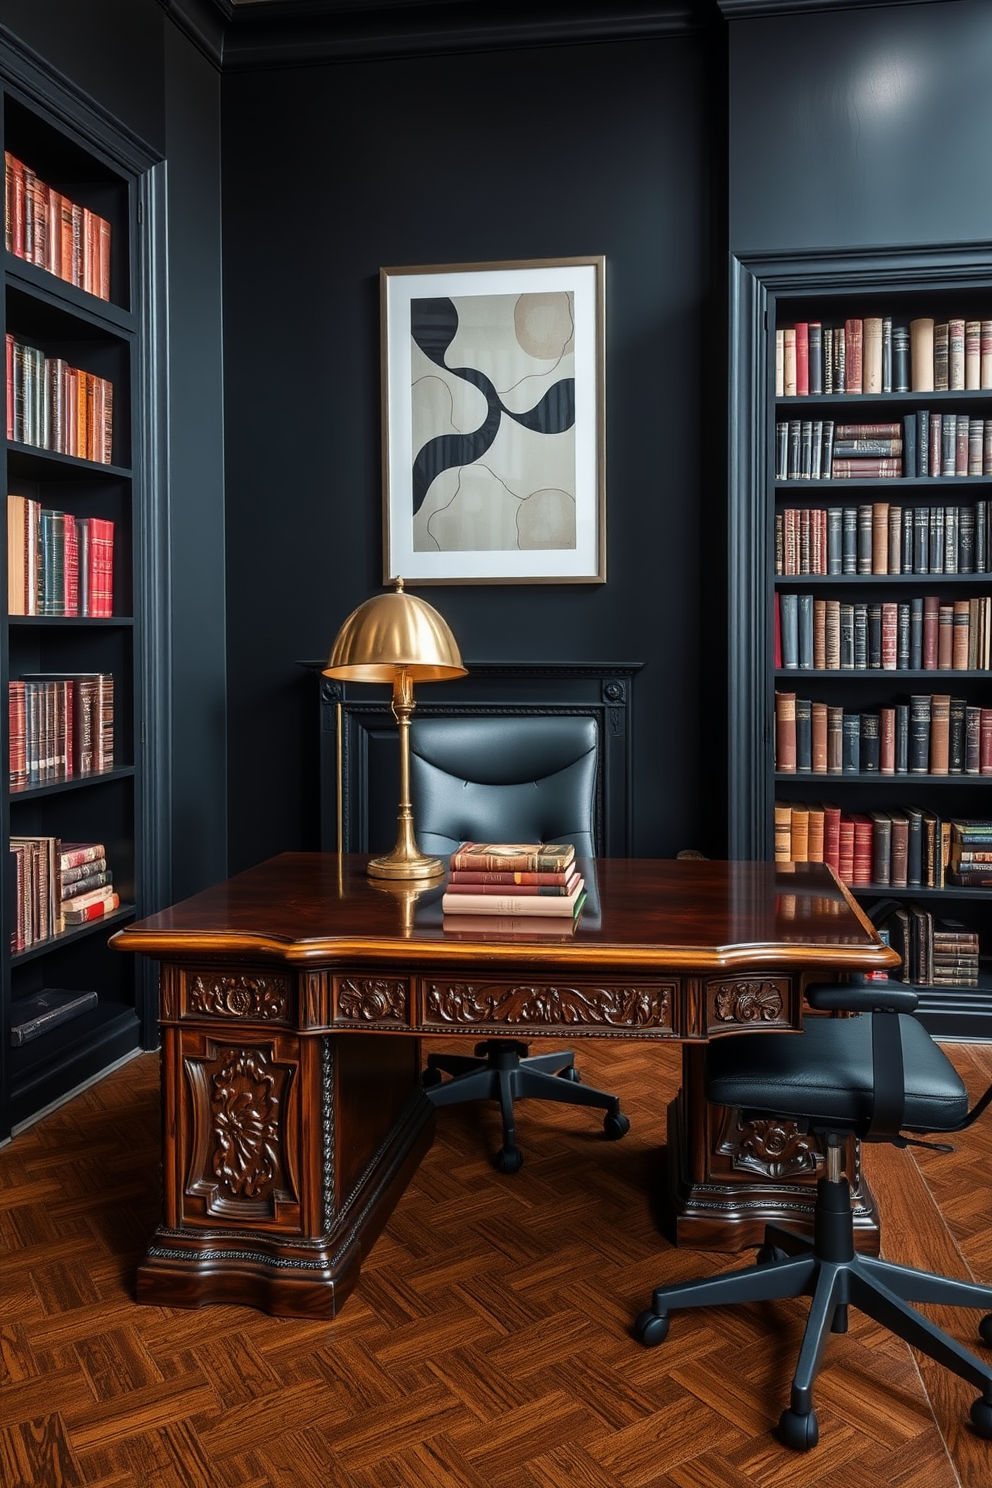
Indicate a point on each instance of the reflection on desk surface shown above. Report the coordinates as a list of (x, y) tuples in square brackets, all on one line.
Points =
[(301, 906)]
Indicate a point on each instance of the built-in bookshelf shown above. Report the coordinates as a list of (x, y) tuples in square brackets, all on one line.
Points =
[(78, 855), (861, 578)]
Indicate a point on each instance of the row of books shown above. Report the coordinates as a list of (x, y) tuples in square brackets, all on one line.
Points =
[(904, 847), (60, 727), (927, 734), (57, 886), (536, 880), (922, 444), (56, 406), (924, 633), (46, 228), (873, 354), (57, 563), (935, 952), (880, 537)]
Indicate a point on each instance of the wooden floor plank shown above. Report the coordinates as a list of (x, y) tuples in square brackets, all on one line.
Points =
[(488, 1344)]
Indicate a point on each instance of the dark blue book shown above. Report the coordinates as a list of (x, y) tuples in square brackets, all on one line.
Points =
[(966, 541), (921, 540), (788, 605), (919, 734), (916, 633), (804, 736), (805, 628), (908, 522), (874, 637), (902, 738), (869, 744), (923, 441), (914, 854), (847, 635), (849, 546), (909, 445), (902, 637), (900, 359), (835, 540), (851, 753), (981, 537)]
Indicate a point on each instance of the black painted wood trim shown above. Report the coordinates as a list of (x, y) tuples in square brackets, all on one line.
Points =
[(307, 32)]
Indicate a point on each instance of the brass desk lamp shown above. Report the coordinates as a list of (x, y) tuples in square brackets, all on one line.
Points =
[(399, 639)]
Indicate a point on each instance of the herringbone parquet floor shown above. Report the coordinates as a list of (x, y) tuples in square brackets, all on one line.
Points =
[(488, 1343)]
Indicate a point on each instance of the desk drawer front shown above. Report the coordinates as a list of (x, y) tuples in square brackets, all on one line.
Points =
[(499, 1006), (734, 1003), (216, 994)]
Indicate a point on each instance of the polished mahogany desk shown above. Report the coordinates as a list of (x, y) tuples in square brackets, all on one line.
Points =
[(293, 1001)]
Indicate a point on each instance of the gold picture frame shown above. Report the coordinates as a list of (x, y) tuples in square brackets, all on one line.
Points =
[(493, 422)]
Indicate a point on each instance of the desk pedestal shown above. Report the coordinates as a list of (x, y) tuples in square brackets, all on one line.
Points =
[(727, 1179), (284, 1156)]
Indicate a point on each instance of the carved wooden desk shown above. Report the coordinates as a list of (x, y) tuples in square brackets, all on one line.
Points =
[(293, 999)]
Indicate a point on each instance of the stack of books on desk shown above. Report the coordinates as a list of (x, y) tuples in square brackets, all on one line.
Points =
[(527, 881)]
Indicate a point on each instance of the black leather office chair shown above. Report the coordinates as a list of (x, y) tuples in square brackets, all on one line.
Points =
[(512, 779), (878, 1074)]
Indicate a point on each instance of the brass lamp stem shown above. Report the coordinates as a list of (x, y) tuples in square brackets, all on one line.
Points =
[(406, 860)]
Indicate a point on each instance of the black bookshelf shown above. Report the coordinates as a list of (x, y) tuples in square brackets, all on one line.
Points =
[(92, 161), (769, 291)]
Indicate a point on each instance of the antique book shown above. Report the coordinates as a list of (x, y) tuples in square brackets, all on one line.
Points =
[(529, 857), (35, 1015)]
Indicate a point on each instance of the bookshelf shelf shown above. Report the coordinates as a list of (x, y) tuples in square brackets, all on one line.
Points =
[(779, 523), (82, 314)]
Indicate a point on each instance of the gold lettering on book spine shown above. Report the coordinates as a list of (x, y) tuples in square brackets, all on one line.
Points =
[(372, 1000), (747, 1002), (509, 1004), (238, 996)]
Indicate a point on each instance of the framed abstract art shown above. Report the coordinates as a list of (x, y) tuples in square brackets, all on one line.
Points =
[(493, 422)]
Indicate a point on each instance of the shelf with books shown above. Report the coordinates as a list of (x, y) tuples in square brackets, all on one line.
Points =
[(83, 406), (861, 533)]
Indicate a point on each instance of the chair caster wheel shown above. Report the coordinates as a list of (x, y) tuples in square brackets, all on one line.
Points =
[(509, 1160), (616, 1126), (799, 1432), (651, 1328), (571, 1074), (430, 1077), (985, 1330), (981, 1416)]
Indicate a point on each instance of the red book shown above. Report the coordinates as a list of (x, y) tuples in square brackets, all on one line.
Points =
[(75, 853), (864, 829), (890, 636), (10, 385), (15, 212), (79, 916), (985, 743), (802, 356), (785, 732), (931, 624), (554, 891), (831, 837), (854, 353), (887, 741), (845, 850)]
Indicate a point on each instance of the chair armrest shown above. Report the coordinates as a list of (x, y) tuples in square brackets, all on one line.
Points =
[(869, 997)]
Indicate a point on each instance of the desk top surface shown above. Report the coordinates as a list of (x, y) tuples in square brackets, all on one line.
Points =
[(320, 909)]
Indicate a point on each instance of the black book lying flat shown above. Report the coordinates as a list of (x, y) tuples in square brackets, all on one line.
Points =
[(35, 1015)]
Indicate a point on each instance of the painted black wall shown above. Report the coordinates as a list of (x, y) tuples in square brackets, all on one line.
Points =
[(861, 128), (332, 171), (134, 64)]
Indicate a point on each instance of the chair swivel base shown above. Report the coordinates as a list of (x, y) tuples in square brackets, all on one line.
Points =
[(502, 1071), (834, 1275)]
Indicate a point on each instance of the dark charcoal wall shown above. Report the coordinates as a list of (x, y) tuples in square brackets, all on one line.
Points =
[(330, 172), (135, 65), (861, 128)]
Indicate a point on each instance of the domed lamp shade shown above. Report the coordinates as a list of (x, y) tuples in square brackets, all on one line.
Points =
[(399, 639)]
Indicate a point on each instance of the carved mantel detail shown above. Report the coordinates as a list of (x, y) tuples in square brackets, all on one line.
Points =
[(748, 1001), (773, 1147), (372, 1000), (238, 995), (512, 1003)]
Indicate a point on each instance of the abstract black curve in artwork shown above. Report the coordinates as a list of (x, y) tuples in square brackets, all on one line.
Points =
[(433, 325)]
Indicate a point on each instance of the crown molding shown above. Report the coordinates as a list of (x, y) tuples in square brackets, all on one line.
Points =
[(244, 35), (732, 10)]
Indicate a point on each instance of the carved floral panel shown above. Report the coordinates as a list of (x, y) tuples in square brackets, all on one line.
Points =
[(238, 995), (513, 1004)]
